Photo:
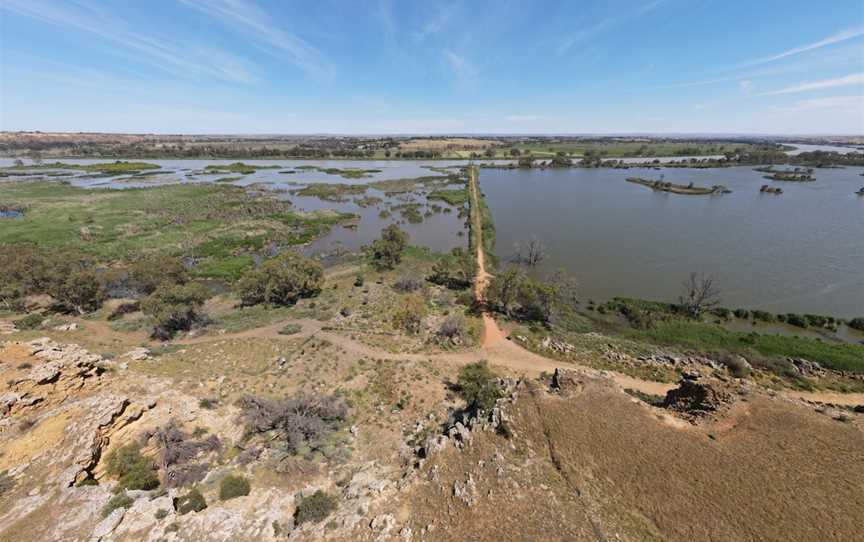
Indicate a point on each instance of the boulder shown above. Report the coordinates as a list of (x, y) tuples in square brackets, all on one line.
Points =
[(698, 397)]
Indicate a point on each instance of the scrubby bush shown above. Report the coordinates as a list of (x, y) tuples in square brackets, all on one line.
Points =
[(358, 281), (478, 386), (741, 313), (281, 281), (455, 271), (177, 449), (722, 313), (407, 283), (147, 274), (191, 502), (291, 329), (6, 483), (78, 291), (31, 321), (453, 331), (233, 486), (304, 420), (386, 252), (856, 323), (737, 365), (763, 316), (796, 320), (120, 500), (408, 313), (132, 469), (315, 508), (174, 308)]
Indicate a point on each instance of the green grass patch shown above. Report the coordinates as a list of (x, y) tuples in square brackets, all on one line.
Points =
[(456, 198)]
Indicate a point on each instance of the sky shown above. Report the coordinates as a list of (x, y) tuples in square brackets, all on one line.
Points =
[(399, 67)]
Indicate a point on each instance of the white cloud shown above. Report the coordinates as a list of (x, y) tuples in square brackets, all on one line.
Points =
[(830, 40), (746, 85), (463, 70), (179, 58), (248, 18), (584, 34), (849, 104), (849, 80)]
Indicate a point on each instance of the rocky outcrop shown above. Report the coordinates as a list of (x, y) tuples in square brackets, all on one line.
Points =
[(697, 397)]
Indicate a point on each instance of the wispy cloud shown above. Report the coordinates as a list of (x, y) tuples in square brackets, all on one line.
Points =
[(247, 17), (849, 104), (843, 35), (848, 80), (462, 69), (178, 58), (565, 43), (437, 23)]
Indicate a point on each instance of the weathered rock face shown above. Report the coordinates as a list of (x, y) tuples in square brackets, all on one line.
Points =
[(697, 397)]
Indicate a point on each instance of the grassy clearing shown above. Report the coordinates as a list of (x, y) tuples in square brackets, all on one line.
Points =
[(457, 198), (218, 226)]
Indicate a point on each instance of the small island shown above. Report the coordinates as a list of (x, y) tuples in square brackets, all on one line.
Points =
[(690, 189), (798, 174), (770, 190), (860, 192)]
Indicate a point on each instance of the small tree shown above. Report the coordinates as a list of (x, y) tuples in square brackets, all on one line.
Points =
[(478, 386), (79, 291), (699, 295), (530, 253), (149, 273), (174, 308), (281, 280), (386, 252), (409, 312), (455, 271), (315, 508), (503, 289)]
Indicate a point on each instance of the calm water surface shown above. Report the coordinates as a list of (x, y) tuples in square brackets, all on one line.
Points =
[(802, 251)]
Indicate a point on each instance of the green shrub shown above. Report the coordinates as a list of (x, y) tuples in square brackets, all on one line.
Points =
[(233, 486), (358, 281), (315, 507), (856, 323), (281, 281), (149, 273), (408, 313), (763, 316), (741, 313), (132, 469), (120, 500), (174, 308), (722, 312), (478, 385), (796, 320), (191, 502), (291, 329), (31, 321), (386, 252), (161, 514), (6, 483)]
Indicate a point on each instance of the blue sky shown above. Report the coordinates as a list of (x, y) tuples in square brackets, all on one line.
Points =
[(381, 66)]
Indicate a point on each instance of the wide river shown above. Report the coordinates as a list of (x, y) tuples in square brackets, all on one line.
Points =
[(802, 251)]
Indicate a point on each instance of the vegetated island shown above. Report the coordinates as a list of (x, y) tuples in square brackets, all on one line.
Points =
[(766, 189), (689, 190), (798, 174), (860, 192)]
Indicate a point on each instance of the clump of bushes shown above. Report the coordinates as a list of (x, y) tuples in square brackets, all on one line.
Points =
[(722, 313), (31, 321), (408, 313), (177, 450), (132, 469), (386, 252), (741, 313), (453, 331), (407, 283), (796, 320), (478, 386), (193, 501), (302, 421), (856, 323), (315, 508), (281, 281), (147, 274), (120, 500), (455, 271), (763, 316), (174, 308), (358, 281), (233, 486)]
